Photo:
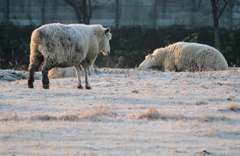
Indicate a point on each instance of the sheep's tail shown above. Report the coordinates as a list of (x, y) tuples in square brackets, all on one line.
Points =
[(36, 37), (36, 58)]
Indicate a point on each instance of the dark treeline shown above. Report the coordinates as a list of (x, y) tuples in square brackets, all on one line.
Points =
[(129, 45), (14, 46)]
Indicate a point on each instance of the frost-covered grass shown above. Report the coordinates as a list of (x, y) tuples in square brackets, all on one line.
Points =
[(128, 112)]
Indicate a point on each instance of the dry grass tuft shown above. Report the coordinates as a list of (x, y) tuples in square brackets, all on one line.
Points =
[(135, 91), (69, 118), (203, 152), (8, 117), (201, 102), (65, 117), (215, 118), (235, 107), (44, 117), (150, 114), (98, 113)]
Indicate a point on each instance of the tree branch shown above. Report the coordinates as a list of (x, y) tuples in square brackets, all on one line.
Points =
[(223, 8), (83, 8)]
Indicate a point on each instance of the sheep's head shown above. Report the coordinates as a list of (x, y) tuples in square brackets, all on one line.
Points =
[(148, 62), (105, 45)]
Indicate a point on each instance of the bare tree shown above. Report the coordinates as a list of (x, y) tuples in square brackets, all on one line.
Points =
[(117, 13), (42, 12), (196, 5), (6, 11), (218, 6), (83, 9)]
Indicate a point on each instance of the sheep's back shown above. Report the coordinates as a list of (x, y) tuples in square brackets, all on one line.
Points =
[(192, 56), (68, 44)]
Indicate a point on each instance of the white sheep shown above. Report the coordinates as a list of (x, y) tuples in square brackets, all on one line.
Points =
[(66, 72), (183, 56), (59, 45)]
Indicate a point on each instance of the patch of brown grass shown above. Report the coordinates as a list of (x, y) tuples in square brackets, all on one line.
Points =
[(69, 117), (44, 117), (99, 113), (8, 117), (215, 118), (201, 102), (235, 107), (150, 114)]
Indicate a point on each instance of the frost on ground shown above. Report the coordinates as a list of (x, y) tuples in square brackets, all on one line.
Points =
[(128, 112), (12, 75)]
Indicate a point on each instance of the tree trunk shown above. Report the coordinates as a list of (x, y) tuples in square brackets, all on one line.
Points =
[(42, 12), (217, 38), (215, 24), (117, 14), (85, 12), (155, 4), (83, 9), (6, 11), (231, 4)]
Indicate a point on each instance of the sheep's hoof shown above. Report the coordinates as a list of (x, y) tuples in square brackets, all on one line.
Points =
[(88, 87), (80, 87), (45, 86), (30, 86)]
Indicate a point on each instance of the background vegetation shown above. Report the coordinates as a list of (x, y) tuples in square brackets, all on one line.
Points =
[(129, 45), (14, 46)]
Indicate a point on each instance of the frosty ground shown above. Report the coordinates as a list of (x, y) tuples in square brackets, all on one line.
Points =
[(127, 112)]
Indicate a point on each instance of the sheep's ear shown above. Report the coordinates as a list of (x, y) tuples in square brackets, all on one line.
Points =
[(150, 55), (107, 30)]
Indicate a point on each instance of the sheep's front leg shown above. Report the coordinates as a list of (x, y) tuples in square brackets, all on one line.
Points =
[(77, 70), (33, 66), (45, 80), (87, 86), (31, 78)]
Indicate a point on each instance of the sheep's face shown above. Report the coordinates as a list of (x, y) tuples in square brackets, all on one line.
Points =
[(105, 46), (147, 63)]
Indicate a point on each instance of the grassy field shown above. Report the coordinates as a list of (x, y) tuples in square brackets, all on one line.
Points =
[(127, 112)]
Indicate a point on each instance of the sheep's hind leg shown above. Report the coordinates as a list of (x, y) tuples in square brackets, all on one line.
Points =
[(87, 86), (77, 70), (33, 66)]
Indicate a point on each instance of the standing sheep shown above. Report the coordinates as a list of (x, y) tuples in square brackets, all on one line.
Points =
[(183, 56), (59, 45)]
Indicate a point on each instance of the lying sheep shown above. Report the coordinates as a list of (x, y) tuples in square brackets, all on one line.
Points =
[(184, 56), (62, 72), (66, 72), (59, 45)]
